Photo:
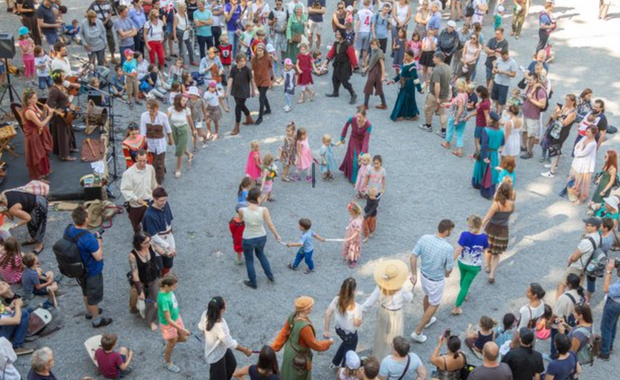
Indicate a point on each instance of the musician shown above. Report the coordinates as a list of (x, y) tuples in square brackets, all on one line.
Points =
[(156, 127), (94, 36), (37, 135), (62, 131), (60, 61)]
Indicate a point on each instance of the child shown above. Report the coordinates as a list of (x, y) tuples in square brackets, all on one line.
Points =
[(214, 99), (260, 38), (505, 332), (246, 39), (351, 369), (290, 79), (130, 70), (306, 248), (319, 70), (349, 14), (176, 70), (242, 194), (253, 165), (118, 82), (472, 98), (360, 182), (288, 151), (506, 168), (497, 17), (476, 339), (159, 86), (112, 364), (41, 63), (171, 323), (198, 107), (225, 52), (236, 226), (270, 171), (352, 246), (175, 89), (371, 369), (211, 66), (26, 44), (429, 43), (415, 45), (328, 164), (304, 156), (349, 34), (305, 66), (375, 176), (543, 330), (370, 214), (186, 81), (74, 32), (37, 283)]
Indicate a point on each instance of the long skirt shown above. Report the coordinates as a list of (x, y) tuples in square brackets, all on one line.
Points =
[(63, 137), (498, 237), (389, 325), (38, 221), (581, 187)]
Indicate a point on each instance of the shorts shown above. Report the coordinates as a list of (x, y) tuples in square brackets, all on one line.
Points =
[(92, 289), (267, 187), (569, 270), (315, 27), (362, 42), (531, 127), (40, 292), (478, 132), (169, 332), (432, 289), (199, 124), (499, 93), (489, 71)]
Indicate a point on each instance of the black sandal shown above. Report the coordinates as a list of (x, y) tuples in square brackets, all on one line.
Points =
[(37, 253)]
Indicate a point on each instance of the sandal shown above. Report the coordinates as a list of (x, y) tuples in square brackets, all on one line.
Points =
[(68, 159), (172, 368), (446, 145), (458, 154), (37, 253), (29, 242)]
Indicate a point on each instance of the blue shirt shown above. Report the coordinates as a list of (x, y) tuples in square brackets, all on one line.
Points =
[(138, 18), (156, 220), (118, 82), (306, 241), (392, 369), (436, 256), (203, 31), (614, 291), (314, 16), (532, 67), (87, 244), (473, 247), (434, 22), (232, 23), (560, 369), (381, 25), (30, 278), (130, 67)]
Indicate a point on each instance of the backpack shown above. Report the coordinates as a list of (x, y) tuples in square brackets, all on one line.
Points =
[(571, 318), (591, 349), (595, 266), (68, 255)]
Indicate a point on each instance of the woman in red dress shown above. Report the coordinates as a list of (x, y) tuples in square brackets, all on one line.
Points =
[(133, 143), (358, 143), (37, 135)]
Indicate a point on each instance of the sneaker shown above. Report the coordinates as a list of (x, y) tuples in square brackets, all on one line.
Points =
[(89, 317), (418, 338), (308, 271), (291, 267), (333, 367), (287, 109), (102, 322), (426, 128), (548, 166), (23, 351), (172, 368), (308, 178), (604, 357), (430, 323), (548, 174), (441, 134), (249, 284)]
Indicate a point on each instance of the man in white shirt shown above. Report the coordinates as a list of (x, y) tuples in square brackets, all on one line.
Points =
[(61, 62), (363, 27), (293, 4), (156, 127), (137, 187)]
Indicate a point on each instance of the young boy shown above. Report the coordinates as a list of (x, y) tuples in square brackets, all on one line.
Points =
[(112, 365), (260, 39), (225, 52), (245, 40), (42, 63), (31, 281), (371, 368), (497, 17), (317, 56), (130, 71), (306, 247), (73, 31), (118, 82)]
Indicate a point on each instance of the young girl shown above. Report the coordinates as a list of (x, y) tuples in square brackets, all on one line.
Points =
[(543, 330), (288, 151), (370, 214), (236, 226), (361, 183), (11, 266), (328, 165), (476, 339), (172, 328), (253, 166), (351, 369), (26, 44), (506, 168), (304, 156), (176, 71), (352, 246), (290, 79), (398, 49), (242, 194), (512, 132), (481, 114), (186, 81), (175, 89), (415, 45), (214, 98), (269, 173), (426, 57), (506, 331), (305, 66)]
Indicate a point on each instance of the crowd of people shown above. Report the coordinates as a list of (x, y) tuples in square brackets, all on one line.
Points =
[(194, 55)]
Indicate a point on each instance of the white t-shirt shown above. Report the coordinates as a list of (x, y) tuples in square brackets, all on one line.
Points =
[(265, 12), (179, 118), (211, 98), (525, 311), (365, 18), (154, 32), (44, 60), (292, 5), (586, 248), (217, 20), (182, 25), (346, 321)]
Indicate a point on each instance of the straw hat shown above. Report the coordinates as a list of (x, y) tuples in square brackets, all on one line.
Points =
[(391, 274), (303, 303)]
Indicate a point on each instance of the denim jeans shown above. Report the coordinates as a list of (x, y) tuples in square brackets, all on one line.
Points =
[(609, 323), (233, 38), (202, 43), (591, 284), (307, 256), (349, 342), (16, 333), (256, 246), (45, 82)]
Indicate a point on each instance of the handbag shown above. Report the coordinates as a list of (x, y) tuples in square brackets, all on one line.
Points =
[(296, 38), (522, 84), (467, 368)]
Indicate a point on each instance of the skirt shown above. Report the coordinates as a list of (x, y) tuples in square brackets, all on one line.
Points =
[(389, 325), (498, 238), (426, 59), (215, 113), (180, 135)]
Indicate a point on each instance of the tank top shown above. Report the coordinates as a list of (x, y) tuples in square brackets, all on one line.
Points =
[(254, 223), (148, 271), (255, 375), (500, 218), (401, 12)]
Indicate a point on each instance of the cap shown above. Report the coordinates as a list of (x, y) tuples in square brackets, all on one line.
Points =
[(128, 53), (352, 360), (349, 8), (288, 61), (213, 84), (494, 116), (23, 31), (270, 48), (596, 222), (526, 336), (193, 90), (452, 24)]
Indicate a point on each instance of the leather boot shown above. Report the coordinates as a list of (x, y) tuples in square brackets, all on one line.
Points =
[(353, 98), (235, 130), (332, 95), (248, 120)]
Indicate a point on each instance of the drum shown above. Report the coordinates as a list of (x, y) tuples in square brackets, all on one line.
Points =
[(95, 117)]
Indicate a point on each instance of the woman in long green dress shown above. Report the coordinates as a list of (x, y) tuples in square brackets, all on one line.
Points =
[(485, 176), (295, 29), (607, 178), (406, 106)]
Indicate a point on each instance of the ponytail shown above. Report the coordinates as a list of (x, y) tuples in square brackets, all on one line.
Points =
[(214, 311)]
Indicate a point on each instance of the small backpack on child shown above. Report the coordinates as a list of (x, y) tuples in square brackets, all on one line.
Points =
[(591, 349)]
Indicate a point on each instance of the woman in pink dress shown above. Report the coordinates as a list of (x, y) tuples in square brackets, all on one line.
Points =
[(305, 65), (352, 247), (253, 166), (304, 156)]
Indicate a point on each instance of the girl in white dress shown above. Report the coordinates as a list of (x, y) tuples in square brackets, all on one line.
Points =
[(512, 131)]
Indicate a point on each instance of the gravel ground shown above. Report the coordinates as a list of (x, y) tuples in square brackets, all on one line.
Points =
[(425, 184)]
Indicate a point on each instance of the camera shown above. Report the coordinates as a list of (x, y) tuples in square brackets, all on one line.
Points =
[(446, 333), (617, 263)]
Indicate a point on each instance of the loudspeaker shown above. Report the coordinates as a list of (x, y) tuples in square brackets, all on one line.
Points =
[(7, 46)]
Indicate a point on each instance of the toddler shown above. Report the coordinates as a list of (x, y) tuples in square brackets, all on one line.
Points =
[(37, 283), (158, 85), (349, 34), (42, 64), (290, 79), (26, 45), (253, 165), (328, 164), (472, 98), (73, 32), (306, 248), (112, 364), (304, 156), (288, 151), (225, 52), (242, 194), (352, 246), (270, 171), (361, 183), (214, 98), (351, 369), (118, 82), (476, 339), (543, 325), (236, 226), (305, 66), (506, 168)]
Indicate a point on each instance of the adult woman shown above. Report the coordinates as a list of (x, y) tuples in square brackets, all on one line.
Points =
[(266, 368), (298, 339), (138, 16), (203, 19), (485, 176), (584, 163), (390, 276), (584, 104), (535, 308), (153, 38), (338, 18), (546, 25), (566, 364), (255, 236), (606, 178), (401, 14), (421, 19), (348, 315), (518, 17), (449, 365), (62, 131), (471, 54), (495, 225), (94, 37), (376, 75), (181, 32), (145, 268), (30, 207), (37, 136), (565, 304), (512, 132), (561, 121), (480, 9), (11, 266), (182, 125), (133, 143), (26, 11), (218, 341), (262, 66), (405, 106), (457, 120), (580, 333), (240, 87), (358, 143), (295, 32)]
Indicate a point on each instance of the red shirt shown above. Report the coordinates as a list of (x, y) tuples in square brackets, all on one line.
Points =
[(236, 230), (226, 54), (109, 363), (481, 120)]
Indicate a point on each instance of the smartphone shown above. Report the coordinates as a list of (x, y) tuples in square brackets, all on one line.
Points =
[(559, 104), (446, 333)]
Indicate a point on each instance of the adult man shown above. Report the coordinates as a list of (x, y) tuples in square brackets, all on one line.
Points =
[(104, 11), (94, 37), (363, 26), (503, 70), (435, 20), (525, 362), (611, 310), (125, 30), (91, 251), (598, 110), (61, 62), (158, 223), (316, 10), (278, 19), (380, 24), (490, 368), (14, 326), (590, 240), (438, 94), (203, 19), (402, 364), (533, 106), (494, 48), (46, 19), (437, 263), (343, 56), (217, 10), (156, 127), (448, 41), (137, 187)]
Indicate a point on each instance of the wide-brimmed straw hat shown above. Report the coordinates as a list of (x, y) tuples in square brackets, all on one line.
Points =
[(303, 303), (391, 274)]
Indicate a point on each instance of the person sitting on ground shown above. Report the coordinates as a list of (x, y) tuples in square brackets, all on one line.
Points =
[(491, 368), (449, 365), (112, 364), (477, 339), (14, 325), (402, 363), (11, 261), (37, 283), (42, 363)]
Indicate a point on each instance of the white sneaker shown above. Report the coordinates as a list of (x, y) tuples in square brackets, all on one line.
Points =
[(548, 175), (418, 338), (287, 109), (548, 166), (430, 323)]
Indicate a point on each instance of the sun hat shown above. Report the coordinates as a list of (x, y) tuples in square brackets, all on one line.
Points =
[(452, 24), (270, 48), (193, 90), (612, 201), (23, 31), (352, 360), (391, 274), (303, 303)]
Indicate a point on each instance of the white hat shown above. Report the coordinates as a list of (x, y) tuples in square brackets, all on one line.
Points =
[(612, 201), (500, 8), (349, 8), (452, 24), (270, 48), (352, 360), (193, 90)]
